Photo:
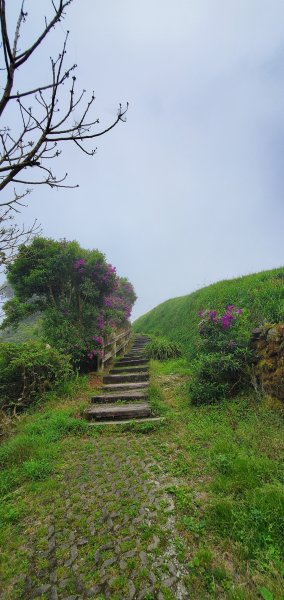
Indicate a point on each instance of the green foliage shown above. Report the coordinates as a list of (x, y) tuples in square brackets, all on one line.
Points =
[(262, 294), (216, 376), (27, 371), (162, 349), (265, 594), (37, 469)]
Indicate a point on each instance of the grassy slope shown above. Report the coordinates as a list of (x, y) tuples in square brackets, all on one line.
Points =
[(262, 293)]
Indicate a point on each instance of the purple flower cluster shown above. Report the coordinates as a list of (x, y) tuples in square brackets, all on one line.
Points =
[(95, 352), (109, 301), (104, 272), (79, 265), (229, 316), (98, 339), (118, 303), (226, 320), (101, 322)]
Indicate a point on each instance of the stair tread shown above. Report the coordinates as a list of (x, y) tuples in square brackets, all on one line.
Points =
[(126, 370), (112, 411), (124, 421), (126, 377), (135, 385), (127, 395)]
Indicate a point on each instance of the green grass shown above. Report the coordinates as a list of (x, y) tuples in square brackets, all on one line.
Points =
[(177, 319), (230, 496), (30, 453)]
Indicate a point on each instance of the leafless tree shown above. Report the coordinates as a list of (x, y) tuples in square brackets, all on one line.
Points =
[(43, 126)]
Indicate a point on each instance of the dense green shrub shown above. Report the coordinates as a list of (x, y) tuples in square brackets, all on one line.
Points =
[(222, 367), (27, 371), (162, 349), (215, 376)]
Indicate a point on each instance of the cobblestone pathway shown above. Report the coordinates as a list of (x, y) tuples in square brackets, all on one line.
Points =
[(109, 532)]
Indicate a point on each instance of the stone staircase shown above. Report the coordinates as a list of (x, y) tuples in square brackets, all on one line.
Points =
[(125, 390)]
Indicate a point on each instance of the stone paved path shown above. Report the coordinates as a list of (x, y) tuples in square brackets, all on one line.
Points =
[(108, 531)]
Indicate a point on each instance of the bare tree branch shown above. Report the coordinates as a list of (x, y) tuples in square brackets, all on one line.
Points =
[(33, 141), (41, 130)]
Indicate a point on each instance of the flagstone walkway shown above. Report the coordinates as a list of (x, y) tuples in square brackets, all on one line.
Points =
[(109, 532)]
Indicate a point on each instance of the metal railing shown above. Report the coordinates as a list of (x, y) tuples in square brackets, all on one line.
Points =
[(112, 346)]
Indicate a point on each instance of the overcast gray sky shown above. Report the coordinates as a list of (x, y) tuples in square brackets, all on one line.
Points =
[(190, 190)]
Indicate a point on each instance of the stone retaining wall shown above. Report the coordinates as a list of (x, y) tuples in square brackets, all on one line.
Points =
[(268, 342)]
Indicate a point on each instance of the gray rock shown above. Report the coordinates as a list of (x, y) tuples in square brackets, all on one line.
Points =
[(129, 554), (82, 542), (93, 591), (51, 531), (154, 544), (131, 590), (108, 562), (41, 590), (53, 593), (143, 558)]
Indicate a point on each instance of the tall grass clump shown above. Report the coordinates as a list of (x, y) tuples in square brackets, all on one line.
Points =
[(162, 349)]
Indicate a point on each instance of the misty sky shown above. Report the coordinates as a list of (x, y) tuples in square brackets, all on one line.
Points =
[(190, 190)]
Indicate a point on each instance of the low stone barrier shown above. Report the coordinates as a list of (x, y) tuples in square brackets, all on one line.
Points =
[(268, 342)]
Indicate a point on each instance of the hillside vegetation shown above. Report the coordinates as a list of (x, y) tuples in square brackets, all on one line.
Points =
[(28, 329), (225, 436), (177, 319)]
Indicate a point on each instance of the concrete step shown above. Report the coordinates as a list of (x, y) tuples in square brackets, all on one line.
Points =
[(138, 346), (135, 356), (120, 387), (93, 423), (123, 396), (131, 362), (117, 411), (126, 378), (117, 370)]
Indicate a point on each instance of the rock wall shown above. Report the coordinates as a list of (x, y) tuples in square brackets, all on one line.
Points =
[(268, 342)]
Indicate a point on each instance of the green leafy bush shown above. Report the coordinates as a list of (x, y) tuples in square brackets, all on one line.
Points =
[(162, 349), (29, 370), (215, 376), (222, 367)]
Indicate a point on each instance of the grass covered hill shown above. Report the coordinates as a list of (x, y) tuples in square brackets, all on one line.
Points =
[(262, 293)]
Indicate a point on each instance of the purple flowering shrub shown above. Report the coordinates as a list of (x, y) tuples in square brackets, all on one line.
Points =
[(81, 298), (222, 368), (118, 305)]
